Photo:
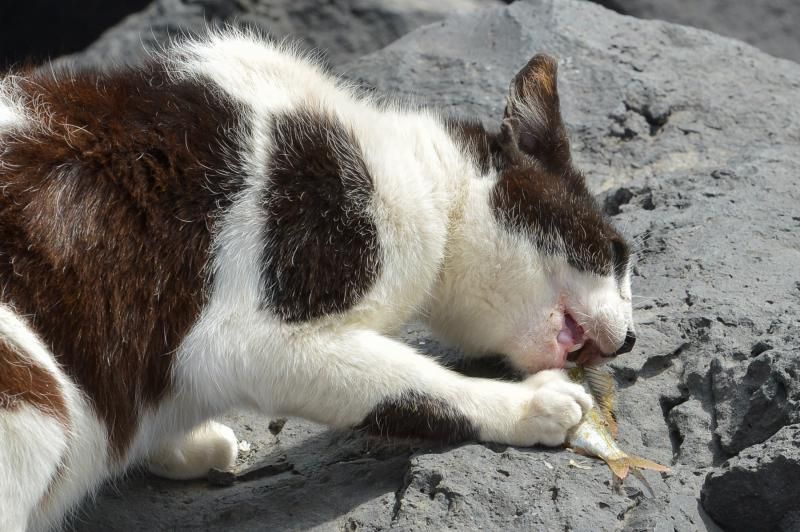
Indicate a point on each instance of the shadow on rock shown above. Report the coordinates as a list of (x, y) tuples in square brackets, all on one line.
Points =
[(327, 476)]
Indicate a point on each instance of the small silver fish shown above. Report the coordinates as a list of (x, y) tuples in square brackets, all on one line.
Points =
[(595, 435)]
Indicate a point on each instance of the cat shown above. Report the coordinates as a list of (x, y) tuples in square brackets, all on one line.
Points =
[(230, 225)]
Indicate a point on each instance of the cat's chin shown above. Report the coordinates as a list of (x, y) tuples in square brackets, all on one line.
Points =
[(554, 358)]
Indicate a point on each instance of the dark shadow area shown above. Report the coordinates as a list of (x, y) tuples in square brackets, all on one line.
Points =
[(35, 30), (613, 5), (328, 474)]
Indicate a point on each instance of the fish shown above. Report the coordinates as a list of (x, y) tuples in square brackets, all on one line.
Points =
[(595, 436)]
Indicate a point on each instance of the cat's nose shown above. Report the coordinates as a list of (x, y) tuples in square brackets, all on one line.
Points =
[(630, 340)]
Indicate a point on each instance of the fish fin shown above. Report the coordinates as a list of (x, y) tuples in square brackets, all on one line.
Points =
[(619, 467), (611, 421), (644, 463), (638, 474), (622, 466), (603, 390)]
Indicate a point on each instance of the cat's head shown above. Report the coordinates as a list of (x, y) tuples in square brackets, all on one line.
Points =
[(536, 271)]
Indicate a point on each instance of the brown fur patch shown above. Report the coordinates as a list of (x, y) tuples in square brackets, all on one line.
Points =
[(539, 191), (479, 143), (105, 226), (24, 382), (533, 103), (544, 75), (416, 415), (321, 252), (562, 217)]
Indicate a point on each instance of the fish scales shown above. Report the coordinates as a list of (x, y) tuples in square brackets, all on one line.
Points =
[(596, 434)]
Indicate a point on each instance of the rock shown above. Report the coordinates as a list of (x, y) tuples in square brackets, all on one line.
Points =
[(769, 24), (753, 402), (520, 489), (759, 489), (341, 29), (692, 139), (672, 124), (312, 479), (220, 478), (276, 425)]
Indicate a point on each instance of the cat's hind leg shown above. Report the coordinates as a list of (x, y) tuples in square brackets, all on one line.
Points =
[(53, 449), (32, 446), (210, 445), (34, 421)]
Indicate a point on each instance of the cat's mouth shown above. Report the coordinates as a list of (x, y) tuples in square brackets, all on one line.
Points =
[(578, 346)]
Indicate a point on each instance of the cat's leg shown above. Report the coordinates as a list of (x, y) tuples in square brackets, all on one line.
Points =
[(210, 445), (32, 446), (362, 379), (34, 423), (359, 378), (53, 448)]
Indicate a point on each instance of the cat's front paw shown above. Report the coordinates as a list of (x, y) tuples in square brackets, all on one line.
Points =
[(555, 406)]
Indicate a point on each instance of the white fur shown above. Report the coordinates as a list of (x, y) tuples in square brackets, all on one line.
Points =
[(210, 445), (79, 450), (32, 446), (12, 112), (445, 259)]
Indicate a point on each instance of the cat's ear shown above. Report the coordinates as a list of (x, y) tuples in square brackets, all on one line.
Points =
[(532, 108)]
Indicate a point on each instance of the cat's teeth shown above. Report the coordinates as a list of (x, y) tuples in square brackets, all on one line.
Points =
[(575, 347)]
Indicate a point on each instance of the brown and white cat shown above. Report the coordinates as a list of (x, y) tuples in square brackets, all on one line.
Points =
[(231, 226)]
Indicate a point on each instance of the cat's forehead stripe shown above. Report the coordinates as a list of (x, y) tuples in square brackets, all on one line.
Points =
[(558, 214)]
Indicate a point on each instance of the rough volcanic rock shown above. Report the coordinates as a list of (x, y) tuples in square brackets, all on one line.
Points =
[(754, 399), (769, 24), (759, 489), (341, 29), (690, 140)]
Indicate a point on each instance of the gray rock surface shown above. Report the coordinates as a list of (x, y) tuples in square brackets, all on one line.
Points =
[(769, 24), (763, 484), (690, 140), (754, 398), (343, 29)]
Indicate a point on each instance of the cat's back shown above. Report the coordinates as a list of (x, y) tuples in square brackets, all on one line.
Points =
[(109, 187), (114, 188), (150, 217)]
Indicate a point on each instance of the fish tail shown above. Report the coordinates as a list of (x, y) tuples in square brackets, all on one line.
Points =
[(644, 463), (638, 474), (622, 466)]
